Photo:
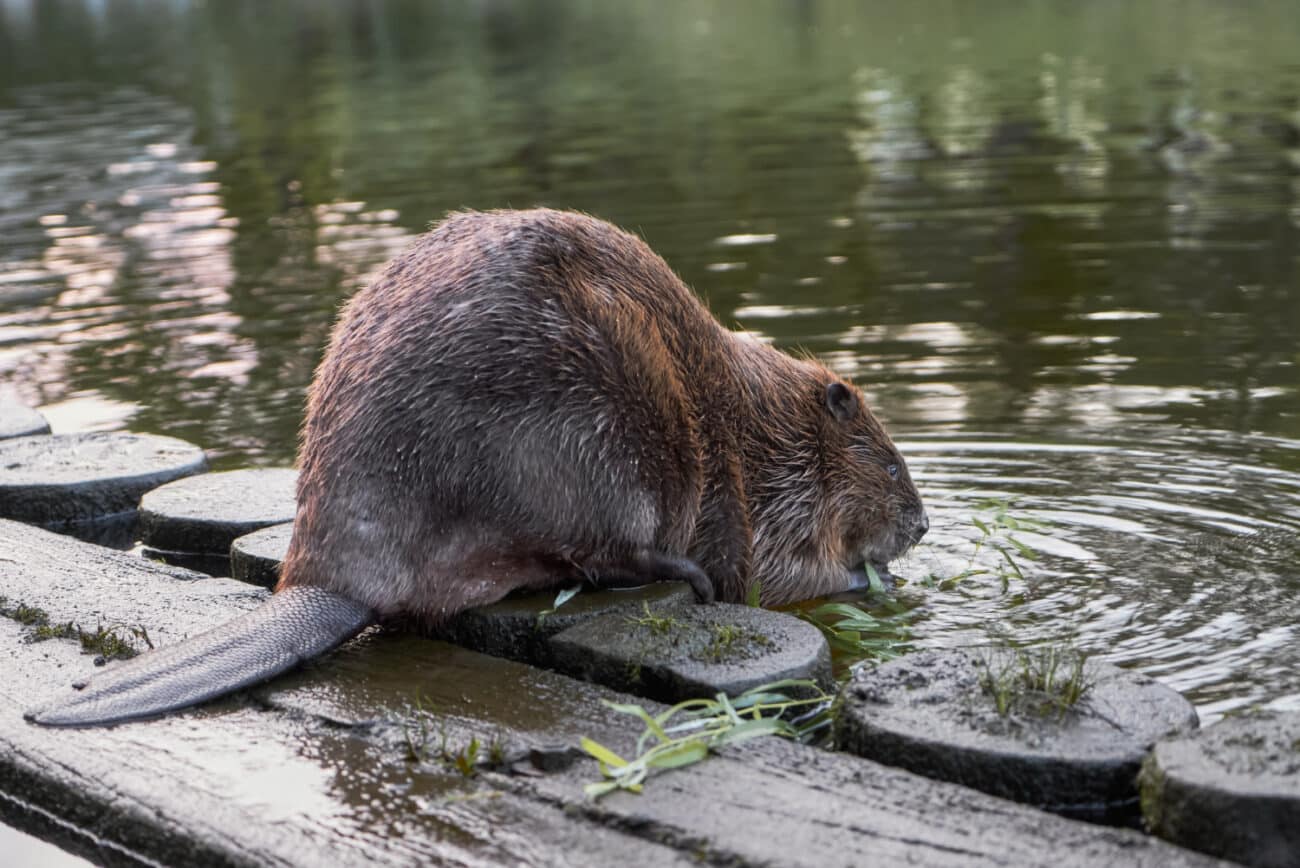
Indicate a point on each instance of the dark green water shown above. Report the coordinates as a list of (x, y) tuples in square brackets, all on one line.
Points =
[(1057, 243)]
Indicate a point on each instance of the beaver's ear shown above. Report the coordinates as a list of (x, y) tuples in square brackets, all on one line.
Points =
[(841, 401)]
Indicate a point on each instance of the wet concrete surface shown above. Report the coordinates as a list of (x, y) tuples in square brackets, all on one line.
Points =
[(61, 478), (521, 626), (205, 514), (19, 420), (318, 767), (256, 557), (693, 651), (931, 712), (1232, 789)]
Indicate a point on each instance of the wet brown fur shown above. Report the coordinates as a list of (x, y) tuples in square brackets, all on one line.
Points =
[(526, 396)]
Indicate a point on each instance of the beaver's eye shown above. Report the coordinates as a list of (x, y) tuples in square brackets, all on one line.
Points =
[(893, 471)]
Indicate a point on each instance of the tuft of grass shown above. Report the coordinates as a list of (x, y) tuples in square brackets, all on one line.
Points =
[(418, 732), (1041, 682), (55, 631), (660, 625), (426, 740), (29, 615), (687, 732), (731, 640), (111, 642)]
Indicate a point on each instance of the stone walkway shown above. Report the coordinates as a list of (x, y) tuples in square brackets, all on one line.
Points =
[(316, 767)]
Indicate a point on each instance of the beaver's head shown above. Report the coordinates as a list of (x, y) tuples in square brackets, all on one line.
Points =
[(874, 504)]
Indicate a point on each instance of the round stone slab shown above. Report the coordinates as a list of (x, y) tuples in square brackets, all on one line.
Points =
[(205, 514), (520, 626), (60, 478), (1231, 790), (256, 557), (936, 713), (19, 420), (692, 651)]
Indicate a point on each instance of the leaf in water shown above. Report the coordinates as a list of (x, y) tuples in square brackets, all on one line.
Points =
[(874, 581), (843, 610), (1025, 551), (1012, 562)]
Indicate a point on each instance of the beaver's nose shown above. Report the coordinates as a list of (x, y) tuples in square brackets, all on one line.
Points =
[(922, 526)]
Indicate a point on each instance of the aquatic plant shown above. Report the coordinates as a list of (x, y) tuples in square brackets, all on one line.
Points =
[(997, 527), (856, 634), (879, 626)]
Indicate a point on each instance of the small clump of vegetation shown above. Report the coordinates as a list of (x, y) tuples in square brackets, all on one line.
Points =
[(687, 732), (1047, 681), (427, 741), (730, 641), (114, 642), (110, 642), (855, 634), (659, 625)]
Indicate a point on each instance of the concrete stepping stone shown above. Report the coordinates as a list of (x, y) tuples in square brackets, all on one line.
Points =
[(937, 713), (692, 651), (203, 515), (19, 420), (256, 557), (58, 479), (1231, 790), (519, 627)]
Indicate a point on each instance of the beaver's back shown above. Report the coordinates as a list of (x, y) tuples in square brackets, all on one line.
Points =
[(513, 383)]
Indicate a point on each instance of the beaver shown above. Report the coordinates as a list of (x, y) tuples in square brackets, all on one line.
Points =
[(523, 397)]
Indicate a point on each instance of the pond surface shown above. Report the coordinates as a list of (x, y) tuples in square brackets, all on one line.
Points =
[(1058, 244)]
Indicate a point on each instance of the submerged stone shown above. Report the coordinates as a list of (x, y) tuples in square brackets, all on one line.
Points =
[(19, 420), (58, 479), (520, 626), (692, 651), (205, 514), (256, 557), (972, 718), (1232, 790)]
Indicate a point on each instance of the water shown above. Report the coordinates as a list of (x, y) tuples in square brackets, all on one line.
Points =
[(1057, 244)]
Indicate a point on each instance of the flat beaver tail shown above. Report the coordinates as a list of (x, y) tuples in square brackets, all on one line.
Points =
[(292, 626)]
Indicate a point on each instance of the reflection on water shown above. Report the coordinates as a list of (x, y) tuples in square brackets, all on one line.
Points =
[(1058, 245)]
